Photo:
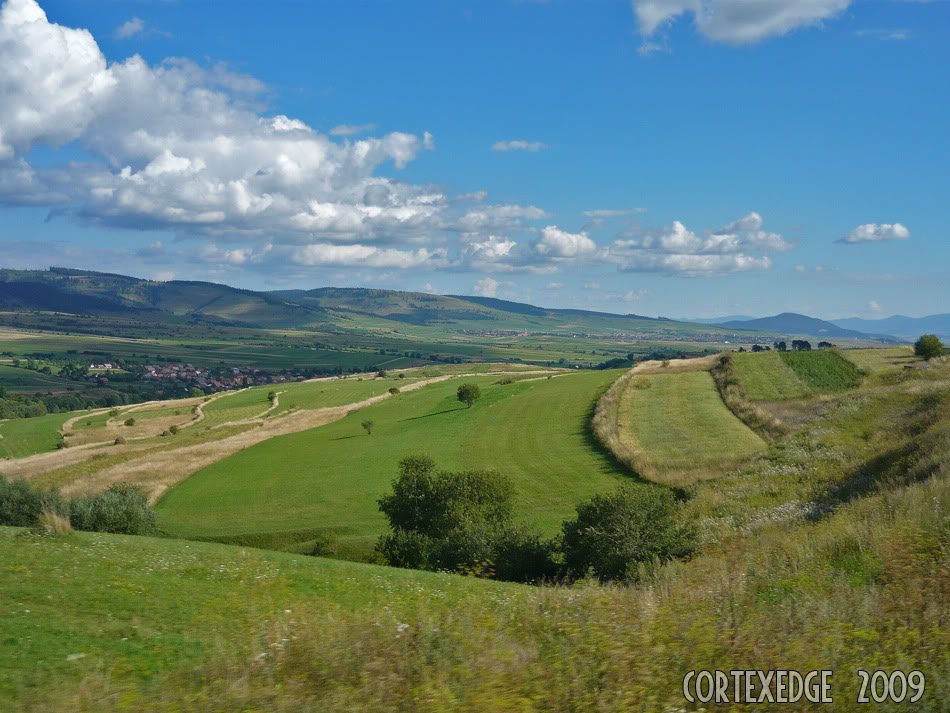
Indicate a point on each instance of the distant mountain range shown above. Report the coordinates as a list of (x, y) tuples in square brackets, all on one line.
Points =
[(901, 326), (790, 323), (85, 292)]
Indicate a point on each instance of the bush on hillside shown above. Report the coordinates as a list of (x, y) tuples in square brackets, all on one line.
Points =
[(130, 421), (468, 393), (122, 509), (394, 390), (616, 535), (929, 346), (173, 429), (369, 424), (21, 504), (459, 521)]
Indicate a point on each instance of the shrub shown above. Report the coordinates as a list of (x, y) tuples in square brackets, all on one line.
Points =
[(120, 441), (614, 535), (381, 374), (402, 376), (459, 521), (113, 413), (173, 429), (929, 346), (60, 444), (394, 390), (130, 421), (666, 363), (468, 393), (271, 395), (122, 509), (21, 504), (325, 544), (369, 424), (505, 381)]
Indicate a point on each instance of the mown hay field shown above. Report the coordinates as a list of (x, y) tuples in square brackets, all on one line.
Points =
[(678, 429), (536, 432), (764, 376)]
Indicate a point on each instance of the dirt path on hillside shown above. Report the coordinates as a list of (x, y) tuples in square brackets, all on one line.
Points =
[(156, 473), (655, 366), (256, 418)]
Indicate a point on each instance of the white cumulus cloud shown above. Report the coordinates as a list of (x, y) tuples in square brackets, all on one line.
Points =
[(876, 232), (736, 22), (130, 28), (557, 243), (486, 287)]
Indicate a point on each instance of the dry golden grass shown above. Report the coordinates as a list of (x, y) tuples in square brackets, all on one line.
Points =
[(655, 366), (54, 523)]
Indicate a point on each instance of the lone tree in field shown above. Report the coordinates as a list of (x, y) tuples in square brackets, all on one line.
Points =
[(369, 424), (929, 346), (468, 393)]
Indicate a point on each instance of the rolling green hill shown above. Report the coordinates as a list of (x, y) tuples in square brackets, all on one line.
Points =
[(329, 478)]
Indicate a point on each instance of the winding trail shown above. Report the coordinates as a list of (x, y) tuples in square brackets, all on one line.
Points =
[(158, 472)]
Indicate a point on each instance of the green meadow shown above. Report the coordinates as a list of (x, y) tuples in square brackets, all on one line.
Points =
[(23, 437), (679, 429), (330, 477), (765, 376), (825, 371)]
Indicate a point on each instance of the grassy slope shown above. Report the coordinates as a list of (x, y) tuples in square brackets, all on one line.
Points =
[(330, 477), (766, 377), (19, 379), (680, 429), (877, 360), (825, 370), (783, 581), (25, 436)]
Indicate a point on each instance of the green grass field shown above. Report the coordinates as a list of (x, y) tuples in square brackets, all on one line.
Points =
[(23, 437), (680, 430), (764, 376), (330, 478), (825, 371), (878, 360), (18, 379)]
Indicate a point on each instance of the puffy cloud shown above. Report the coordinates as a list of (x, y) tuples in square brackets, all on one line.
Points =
[(366, 255), (129, 28), (874, 232), (554, 285), (557, 243), (486, 287), (736, 22), (351, 129), (678, 250), (180, 147), (518, 145), (874, 307)]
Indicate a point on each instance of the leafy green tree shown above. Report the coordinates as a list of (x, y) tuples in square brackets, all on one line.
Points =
[(615, 534), (929, 346), (442, 520), (468, 394), (130, 421)]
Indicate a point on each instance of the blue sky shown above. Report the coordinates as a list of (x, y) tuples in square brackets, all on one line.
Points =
[(663, 157)]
